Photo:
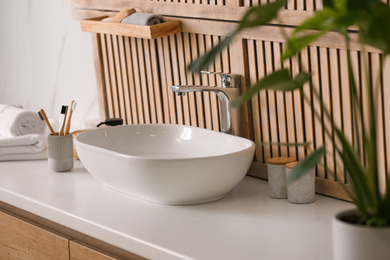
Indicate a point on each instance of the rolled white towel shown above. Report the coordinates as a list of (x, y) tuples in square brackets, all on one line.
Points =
[(24, 144), (16, 121), (144, 19)]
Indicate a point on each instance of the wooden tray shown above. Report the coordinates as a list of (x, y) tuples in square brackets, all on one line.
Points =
[(132, 30)]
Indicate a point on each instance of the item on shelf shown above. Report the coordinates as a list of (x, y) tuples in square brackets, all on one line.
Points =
[(144, 19), (123, 14)]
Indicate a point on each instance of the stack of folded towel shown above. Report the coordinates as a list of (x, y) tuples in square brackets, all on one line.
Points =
[(131, 16), (21, 134)]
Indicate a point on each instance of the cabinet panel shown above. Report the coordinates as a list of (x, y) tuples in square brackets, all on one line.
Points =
[(81, 251), (20, 239)]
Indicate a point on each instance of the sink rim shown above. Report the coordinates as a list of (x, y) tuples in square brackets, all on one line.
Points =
[(249, 144)]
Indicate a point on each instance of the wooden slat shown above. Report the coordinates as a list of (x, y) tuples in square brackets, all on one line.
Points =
[(273, 125), (280, 104), (307, 97), (112, 72), (98, 62), (238, 64), (125, 84), (183, 77), (325, 95), (131, 82), (175, 78), (163, 80), (204, 81), (175, 111), (218, 68), (263, 101), (118, 73), (149, 82), (298, 113), (386, 110), (346, 103), (290, 117), (378, 95), (156, 81), (255, 100), (198, 95), (137, 84), (213, 82), (318, 131), (143, 81), (337, 111), (190, 80), (310, 5), (106, 70)]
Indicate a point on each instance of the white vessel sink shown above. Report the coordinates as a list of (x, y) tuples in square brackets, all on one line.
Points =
[(168, 164)]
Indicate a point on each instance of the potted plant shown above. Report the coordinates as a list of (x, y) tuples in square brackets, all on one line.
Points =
[(371, 19)]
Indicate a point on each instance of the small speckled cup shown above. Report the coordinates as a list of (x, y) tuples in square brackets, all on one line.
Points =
[(302, 190), (60, 152), (276, 168)]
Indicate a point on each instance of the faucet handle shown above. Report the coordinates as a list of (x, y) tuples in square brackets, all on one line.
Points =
[(229, 80)]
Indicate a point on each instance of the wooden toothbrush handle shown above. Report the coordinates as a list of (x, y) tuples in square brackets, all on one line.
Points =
[(43, 114), (67, 129)]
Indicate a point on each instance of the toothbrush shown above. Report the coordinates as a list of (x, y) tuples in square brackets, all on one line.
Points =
[(72, 108), (64, 110), (43, 117)]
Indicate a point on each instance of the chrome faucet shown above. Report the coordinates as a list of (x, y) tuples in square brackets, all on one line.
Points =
[(229, 118)]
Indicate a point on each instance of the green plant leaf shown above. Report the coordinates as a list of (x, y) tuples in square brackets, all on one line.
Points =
[(261, 14), (255, 16), (375, 26), (306, 164), (323, 21), (328, 3), (364, 195), (278, 80), (360, 4), (296, 44), (203, 62)]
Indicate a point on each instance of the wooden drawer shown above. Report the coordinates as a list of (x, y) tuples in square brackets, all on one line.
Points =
[(19, 239)]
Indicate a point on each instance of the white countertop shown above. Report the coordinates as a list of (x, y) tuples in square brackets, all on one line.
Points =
[(246, 224)]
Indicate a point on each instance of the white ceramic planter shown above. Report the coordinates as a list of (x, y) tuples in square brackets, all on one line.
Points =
[(353, 242)]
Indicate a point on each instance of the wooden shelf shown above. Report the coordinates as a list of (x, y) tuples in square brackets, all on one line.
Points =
[(132, 30)]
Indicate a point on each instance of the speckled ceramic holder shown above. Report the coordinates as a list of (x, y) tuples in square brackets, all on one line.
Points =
[(276, 168), (302, 190), (60, 152)]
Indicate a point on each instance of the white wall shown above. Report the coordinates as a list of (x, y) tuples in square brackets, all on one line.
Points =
[(45, 59)]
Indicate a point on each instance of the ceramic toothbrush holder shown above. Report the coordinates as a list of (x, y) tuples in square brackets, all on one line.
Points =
[(60, 152), (276, 168), (302, 190)]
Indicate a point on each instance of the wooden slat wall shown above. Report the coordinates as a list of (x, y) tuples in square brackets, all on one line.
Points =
[(135, 75)]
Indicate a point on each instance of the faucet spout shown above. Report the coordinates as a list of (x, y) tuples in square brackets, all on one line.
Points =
[(225, 96)]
